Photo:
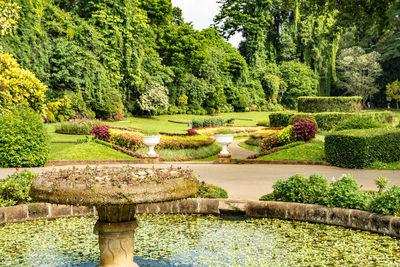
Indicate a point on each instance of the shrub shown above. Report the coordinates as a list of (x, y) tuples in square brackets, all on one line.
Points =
[(278, 119), (77, 126), (20, 86), (269, 142), (302, 117), (304, 131), (359, 148), (184, 142), (388, 203), (285, 136), (263, 122), (357, 122), (23, 139), (346, 193), (301, 190), (327, 121), (126, 139), (208, 122), (15, 188), (329, 104), (101, 132), (210, 191)]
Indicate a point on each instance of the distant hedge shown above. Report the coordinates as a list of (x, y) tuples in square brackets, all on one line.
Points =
[(208, 122), (329, 104), (359, 148), (328, 120)]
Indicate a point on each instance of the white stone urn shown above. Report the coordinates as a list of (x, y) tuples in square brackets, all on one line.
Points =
[(224, 140), (151, 141)]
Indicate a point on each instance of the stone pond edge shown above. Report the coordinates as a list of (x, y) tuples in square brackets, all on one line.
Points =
[(356, 219)]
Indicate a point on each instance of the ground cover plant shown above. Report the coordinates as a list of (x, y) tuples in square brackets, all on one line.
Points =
[(343, 193), (210, 191)]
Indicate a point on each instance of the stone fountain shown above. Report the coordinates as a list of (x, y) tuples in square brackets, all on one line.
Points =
[(114, 192)]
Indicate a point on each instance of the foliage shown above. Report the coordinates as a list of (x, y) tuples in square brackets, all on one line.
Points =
[(19, 86), (346, 193), (23, 139), (210, 191), (358, 71), (225, 130), (299, 189), (304, 131), (357, 122), (263, 122), (283, 137), (302, 117), (269, 142), (329, 120), (207, 122), (381, 183), (184, 142), (278, 119), (393, 92), (329, 104), (126, 139), (359, 148), (300, 81), (15, 188), (155, 97), (78, 126), (387, 203), (9, 14), (101, 132)]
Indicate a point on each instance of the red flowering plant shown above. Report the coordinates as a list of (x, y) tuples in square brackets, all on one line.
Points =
[(224, 156), (304, 131), (101, 132), (269, 142)]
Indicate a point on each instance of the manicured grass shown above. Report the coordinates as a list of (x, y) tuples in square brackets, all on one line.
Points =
[(160, 123), (55, 137), (311, 151), (85, 151), (249, 147), (205, 151)]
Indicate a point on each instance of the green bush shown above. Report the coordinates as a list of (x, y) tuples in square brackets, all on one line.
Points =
[(23, 139), (387, 203), (328, 120), (302, 117), (208, 122), (15, 188), (346, 193), (210, 191), (359, 148), (357, 122), (329, 104), (301, 190), (278, 119)]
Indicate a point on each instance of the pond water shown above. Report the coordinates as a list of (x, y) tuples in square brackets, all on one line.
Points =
[(192, 240)]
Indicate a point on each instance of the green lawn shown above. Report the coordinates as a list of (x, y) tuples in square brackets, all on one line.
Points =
[(385, 166), (249, 147), (85, 151), (310, 151)]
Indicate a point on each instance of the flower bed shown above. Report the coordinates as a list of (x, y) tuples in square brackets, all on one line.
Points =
[(236, 130)]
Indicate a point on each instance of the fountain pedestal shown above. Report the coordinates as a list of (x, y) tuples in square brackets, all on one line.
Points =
[(116, 242)]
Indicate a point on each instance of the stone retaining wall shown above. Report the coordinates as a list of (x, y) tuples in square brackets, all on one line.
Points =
[(389, 225)]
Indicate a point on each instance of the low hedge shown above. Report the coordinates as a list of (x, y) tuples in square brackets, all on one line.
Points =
[(329, 104), (359, 148), (280, 119), (208, 122)]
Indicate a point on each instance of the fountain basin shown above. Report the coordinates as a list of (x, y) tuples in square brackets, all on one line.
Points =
[(114, 192)]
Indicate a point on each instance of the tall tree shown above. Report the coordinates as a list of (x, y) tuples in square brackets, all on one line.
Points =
[(358, 71)]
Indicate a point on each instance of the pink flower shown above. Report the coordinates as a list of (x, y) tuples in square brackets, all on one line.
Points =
[(17, 168)]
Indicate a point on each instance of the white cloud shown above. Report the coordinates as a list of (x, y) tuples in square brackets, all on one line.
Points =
[(201, 13)]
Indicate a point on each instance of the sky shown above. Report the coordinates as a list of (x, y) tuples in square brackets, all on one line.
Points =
[(201, 13)]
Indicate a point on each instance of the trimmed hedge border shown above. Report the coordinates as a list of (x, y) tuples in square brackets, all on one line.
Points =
[(328, 120), (359, 148), (312, 104), (349, 218)]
